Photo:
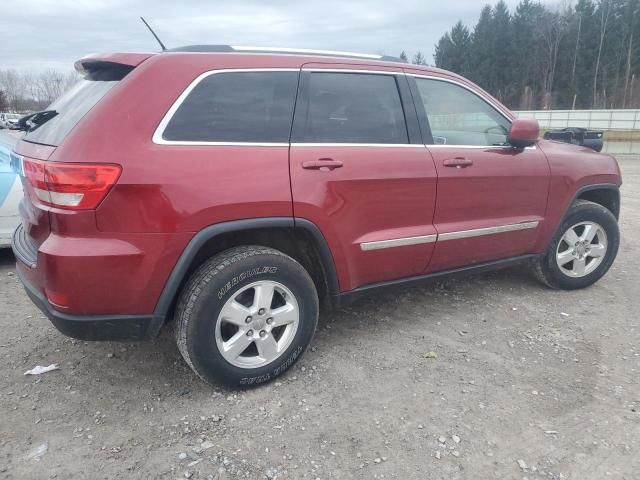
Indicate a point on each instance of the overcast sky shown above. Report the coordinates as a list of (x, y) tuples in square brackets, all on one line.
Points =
[(39, 34)]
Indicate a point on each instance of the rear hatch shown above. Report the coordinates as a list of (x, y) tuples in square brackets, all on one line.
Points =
[(50, 186)]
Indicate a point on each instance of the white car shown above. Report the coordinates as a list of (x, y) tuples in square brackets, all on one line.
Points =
[(10, 191), (9, 120)]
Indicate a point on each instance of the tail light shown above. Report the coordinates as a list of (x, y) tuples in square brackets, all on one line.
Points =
[(74, 186)]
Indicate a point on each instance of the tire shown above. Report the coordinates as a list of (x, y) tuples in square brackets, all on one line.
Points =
[(239, 280), (571, 276)]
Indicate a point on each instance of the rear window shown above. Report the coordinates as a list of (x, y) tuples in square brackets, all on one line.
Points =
[(253, 107), (74, 105)]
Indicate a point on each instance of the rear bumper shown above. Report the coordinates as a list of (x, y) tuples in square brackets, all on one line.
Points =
[(99, 275), (83, 327), (22, 248), (93, 327)]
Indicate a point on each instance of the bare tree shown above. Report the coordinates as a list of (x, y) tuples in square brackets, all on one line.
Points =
[(51, 85), (575, 53), (605, 9), (552, 29), (25, 91), (627, 73), (14, 88), (3, 101)]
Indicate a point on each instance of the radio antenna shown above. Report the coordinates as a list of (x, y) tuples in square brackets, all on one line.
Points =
[(154, 34)]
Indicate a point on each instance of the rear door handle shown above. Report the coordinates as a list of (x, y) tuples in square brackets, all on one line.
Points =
[(324, 164), (458, 162)]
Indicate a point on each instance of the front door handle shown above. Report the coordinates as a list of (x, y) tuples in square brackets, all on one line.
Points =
[(458, 162), (324, 164)]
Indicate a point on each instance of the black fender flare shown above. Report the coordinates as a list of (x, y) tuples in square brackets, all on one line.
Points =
[(598, 186), (183, 264), (576, 195)]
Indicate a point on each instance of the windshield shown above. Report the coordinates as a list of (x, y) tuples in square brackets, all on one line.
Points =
[(70, 108), (13, 116)]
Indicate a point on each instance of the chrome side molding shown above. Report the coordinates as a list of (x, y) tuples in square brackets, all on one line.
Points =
[(398, 242), (476, 232)]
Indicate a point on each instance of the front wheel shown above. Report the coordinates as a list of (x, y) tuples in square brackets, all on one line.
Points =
[(582, 250), (246, 316)]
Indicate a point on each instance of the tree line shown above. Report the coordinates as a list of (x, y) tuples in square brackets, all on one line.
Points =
[(567, 56), (582, 55), (29, 91)]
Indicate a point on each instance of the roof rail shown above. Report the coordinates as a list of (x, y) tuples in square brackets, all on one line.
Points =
[(290, 51), (202, 48)]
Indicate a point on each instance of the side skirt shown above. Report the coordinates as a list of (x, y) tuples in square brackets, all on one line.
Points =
[(345, 298)]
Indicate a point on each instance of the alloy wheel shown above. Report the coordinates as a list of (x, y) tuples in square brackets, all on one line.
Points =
[(581, 249), (257, 324)]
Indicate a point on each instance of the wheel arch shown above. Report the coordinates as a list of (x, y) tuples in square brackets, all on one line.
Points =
[(300, 239), (607, 195)]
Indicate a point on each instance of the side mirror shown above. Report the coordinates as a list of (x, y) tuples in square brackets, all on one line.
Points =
[(524, 132)]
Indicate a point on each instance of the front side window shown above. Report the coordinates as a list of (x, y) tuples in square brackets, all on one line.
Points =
[(353, 108), (459, 117), (254, 107)]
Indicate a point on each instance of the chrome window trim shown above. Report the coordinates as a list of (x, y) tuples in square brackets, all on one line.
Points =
[(368, 145), (159, 131), (398, 242), (478, 232), (480, 147), (220, 144), (439, 237)]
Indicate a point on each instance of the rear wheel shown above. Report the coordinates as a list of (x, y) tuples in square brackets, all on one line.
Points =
[(246, 316), (582, 250)]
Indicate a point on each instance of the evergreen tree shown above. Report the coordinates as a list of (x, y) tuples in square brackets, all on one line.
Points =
[(482, 63), (452, 51), (418, 59), (403, 56), (525, 53), (500, 51), (550, 57)]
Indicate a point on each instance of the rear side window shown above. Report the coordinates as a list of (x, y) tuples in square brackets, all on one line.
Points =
[(353, 108), (67, 110), (254, 107)]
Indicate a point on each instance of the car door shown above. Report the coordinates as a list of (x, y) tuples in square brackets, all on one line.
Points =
[(360, 171), (491, 196)]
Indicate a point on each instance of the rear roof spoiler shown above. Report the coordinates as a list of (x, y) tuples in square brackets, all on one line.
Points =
[(104, 60)]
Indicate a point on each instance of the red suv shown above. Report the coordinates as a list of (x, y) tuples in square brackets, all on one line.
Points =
[(235, 190)]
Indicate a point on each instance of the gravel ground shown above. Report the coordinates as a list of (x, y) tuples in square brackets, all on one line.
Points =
[(524, 382)]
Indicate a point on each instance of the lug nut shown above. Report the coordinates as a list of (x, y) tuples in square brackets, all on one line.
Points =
[(269, 321), (249, 333), (261, 311), (262, 333), (248, 319)]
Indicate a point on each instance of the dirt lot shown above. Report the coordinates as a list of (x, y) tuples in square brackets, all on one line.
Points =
[(526, 383)]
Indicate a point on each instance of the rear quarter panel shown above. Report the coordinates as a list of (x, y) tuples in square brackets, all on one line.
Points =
[(176, 188)]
